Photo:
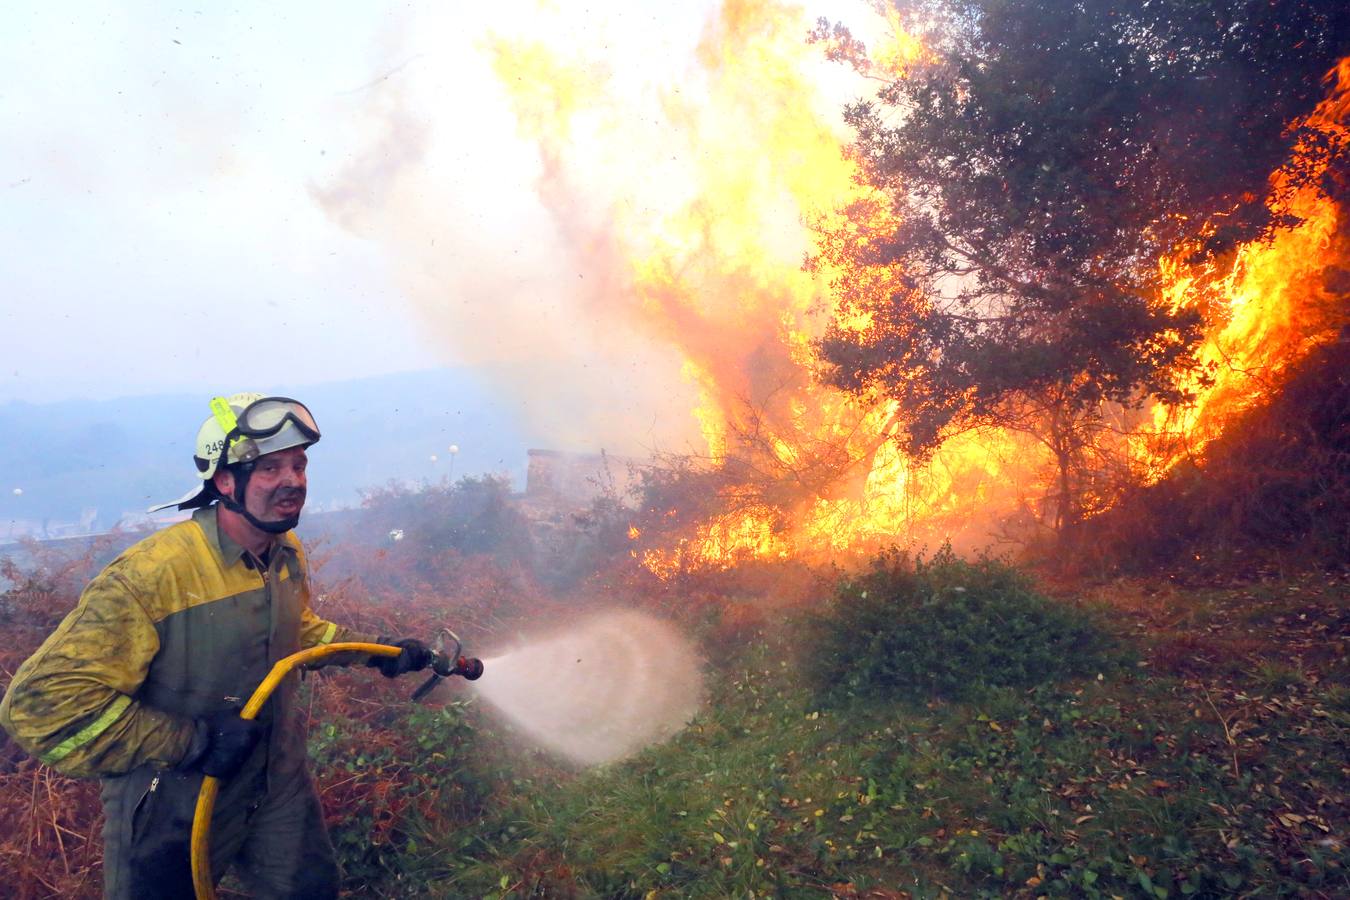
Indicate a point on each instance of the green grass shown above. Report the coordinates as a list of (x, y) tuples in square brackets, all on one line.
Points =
[(1142, 782)]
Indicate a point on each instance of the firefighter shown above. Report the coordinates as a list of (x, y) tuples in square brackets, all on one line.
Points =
[(141, 684)]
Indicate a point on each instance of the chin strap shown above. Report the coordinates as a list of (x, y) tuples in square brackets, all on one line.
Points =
[(235, 504), (280, 526)]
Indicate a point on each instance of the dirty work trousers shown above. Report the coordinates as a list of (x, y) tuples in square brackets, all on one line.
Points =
[(275, 840)]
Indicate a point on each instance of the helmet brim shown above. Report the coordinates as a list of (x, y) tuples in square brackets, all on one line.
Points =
[(197, 496)]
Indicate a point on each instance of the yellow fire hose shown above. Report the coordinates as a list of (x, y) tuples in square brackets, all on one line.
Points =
[(206, 800)]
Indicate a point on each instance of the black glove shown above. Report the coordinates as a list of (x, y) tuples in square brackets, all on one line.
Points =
[(415, 657), (222, 743)]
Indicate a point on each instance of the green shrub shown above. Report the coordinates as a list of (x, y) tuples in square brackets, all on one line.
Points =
[(947, 627), (395, 788)]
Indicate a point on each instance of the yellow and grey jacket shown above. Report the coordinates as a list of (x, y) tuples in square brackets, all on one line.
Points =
[(183, 623)]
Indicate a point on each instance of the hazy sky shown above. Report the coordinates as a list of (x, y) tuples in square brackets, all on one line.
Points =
[(157, 163), (179, 185)]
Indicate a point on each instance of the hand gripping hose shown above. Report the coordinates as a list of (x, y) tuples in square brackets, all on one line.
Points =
[(206, 800)]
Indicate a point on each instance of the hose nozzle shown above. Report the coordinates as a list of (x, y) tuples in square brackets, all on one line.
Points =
[(445, 664), (469, 668)]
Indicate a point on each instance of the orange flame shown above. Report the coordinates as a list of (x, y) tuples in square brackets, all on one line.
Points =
[(1269, 304), (706, 245)]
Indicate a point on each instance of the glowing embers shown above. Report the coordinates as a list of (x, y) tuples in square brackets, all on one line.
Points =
[(966, 488), (750, 530)]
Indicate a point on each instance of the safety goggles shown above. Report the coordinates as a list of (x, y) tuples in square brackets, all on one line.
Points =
[(260, 420), (265, 417)]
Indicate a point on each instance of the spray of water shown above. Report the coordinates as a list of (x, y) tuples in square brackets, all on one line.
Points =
[(600, 690)]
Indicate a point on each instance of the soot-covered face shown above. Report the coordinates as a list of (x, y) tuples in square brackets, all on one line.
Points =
[(276, 488)]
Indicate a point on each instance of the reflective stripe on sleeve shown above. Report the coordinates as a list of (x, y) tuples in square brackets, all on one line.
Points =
[(328, 633), (88, 732)]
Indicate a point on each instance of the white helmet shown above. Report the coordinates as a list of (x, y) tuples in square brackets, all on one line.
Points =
[(251, 425)]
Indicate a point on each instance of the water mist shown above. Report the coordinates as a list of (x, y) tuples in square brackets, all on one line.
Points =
[(599, 690)]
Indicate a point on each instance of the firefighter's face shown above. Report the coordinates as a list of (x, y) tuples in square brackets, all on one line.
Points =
[(276, 489)]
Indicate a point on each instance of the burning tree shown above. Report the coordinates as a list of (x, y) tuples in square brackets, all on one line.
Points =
[(1051, 214), (1031, 174)]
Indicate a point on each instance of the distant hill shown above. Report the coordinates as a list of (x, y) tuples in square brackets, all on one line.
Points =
[(97, 461)]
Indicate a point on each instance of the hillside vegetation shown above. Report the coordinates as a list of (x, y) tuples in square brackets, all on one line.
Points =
[(927, 728), (1205, 756)]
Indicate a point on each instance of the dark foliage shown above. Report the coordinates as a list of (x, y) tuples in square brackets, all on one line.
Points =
[(947, 627), (473, 515), (1033, 172), (409, 539), (1277, 482)]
